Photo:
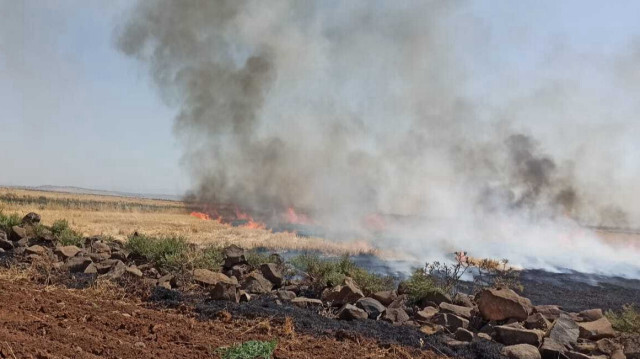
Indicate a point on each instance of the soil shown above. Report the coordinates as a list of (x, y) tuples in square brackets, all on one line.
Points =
[(39, 321)]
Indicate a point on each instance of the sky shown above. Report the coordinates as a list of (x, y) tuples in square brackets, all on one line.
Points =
[(75, 111)]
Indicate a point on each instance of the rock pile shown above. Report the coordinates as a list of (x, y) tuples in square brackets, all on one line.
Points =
[(496, 314)]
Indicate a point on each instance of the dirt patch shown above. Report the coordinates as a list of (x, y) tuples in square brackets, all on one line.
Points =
[(50, 322)]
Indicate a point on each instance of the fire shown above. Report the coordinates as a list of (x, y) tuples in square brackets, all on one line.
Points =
[(250, 222), (201, 215), (293, 217)]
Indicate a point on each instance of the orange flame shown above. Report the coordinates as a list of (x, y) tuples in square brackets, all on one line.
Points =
[(250, 222), (293, 217), (201, 215)]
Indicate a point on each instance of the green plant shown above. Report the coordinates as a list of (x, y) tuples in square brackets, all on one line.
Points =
[(207, 258), (59, 226), (626, 320), (8, 221), (69, 237), (249, 350), (331, 272), (256, 258), (169, 252), (422, 285)]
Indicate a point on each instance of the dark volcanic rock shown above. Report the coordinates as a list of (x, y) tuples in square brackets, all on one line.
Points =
[(501, 304), (511, 336), (234, 255), (350, 312), (597, 329), (564, 331), (450, 321), (521, 351), (31, 218), (371, 306), (395, 315), (385, 297), (256, 283), (272, 273)]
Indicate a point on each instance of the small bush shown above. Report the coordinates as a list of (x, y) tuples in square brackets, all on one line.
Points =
[(249, 350), (65, 235), (168, 252), (256, 259), (175, 252), (422, 285), (8, 221), (627, 320), (331, 272), (208, 258)]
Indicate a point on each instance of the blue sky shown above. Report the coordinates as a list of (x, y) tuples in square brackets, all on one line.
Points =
[(75, 111)]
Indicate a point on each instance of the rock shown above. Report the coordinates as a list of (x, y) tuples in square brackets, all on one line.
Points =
[(426, 314), (400, 302), (206, 277), (590, 315), (225, 291), (233, 255), (351, 312), (450, 321), (285, 294), (91, 269), (117, 270), (133, 271), (239, 271), (303, 302), (77, 264), (256, 283), (436, 297), (342, 294), (17, 233), (564, 331), (371, 306), (464, 312), (431, 329), (550, 349), (607, 346), (99, 257), (121, 255), (463, 335), (631, 344), (537, 321), (597, 329), (521, 351), (511, 336), (618, 354), (31, 218), (100, 247), (550, 312), (66, 252), (385, 297), (272, 273), (484, 336), (501, 304), (5, 244), (463, 300), (165, 280), (36, 249), (244, 296), (576, 355), (585, 347), (395, 315)]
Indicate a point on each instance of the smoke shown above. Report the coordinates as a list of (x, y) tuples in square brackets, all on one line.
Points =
[(345, 109)]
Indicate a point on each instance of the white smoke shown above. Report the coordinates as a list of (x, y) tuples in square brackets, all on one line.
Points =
[(345, 109)]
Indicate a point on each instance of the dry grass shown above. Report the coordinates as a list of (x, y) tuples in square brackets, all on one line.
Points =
[(170, 219)]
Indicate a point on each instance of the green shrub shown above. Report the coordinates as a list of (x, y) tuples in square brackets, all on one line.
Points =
[(207, 258), (174, 252), (59, 226), (331, 272), (69, 237), (421, 285), (249, 350), (169, 252), (256, 259), (627, 320), (8, 221)]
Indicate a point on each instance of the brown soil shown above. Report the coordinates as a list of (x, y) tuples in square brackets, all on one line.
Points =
[(51, 322)]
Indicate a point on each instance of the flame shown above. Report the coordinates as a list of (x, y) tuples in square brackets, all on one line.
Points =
[(250, 222), (293, 217), (201, 215)]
